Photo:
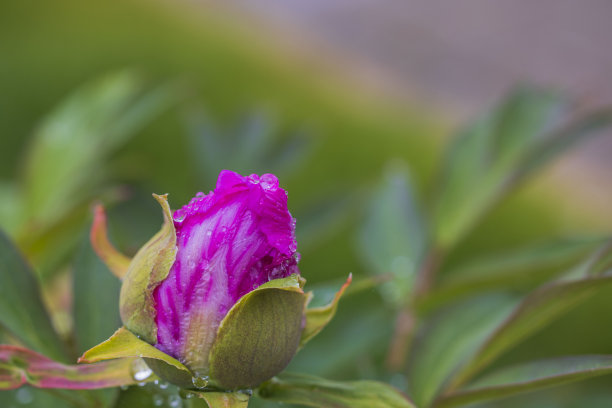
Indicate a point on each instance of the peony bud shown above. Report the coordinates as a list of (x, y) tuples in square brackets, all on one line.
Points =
[(214, 300), (218, 248)]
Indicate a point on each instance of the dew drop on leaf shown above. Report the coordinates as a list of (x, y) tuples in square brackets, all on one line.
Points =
[(140, 370), (200, 381)]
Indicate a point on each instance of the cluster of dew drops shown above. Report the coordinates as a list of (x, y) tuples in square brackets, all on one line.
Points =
[(141, 372)]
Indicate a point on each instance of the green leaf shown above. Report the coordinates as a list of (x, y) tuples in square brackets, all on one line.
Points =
[(21, 309), (319, 317), (516, 268), (451, 338), (70, 146), (599, 263), (10, 207), (225, 399), (254, 145), (94, 316), (537, 310), (148, 269), (259, 335), (529, 377), (19, 366), (155, 394), (318, 392), (394, 236), (125, 344), (37, 397), (491, 157)]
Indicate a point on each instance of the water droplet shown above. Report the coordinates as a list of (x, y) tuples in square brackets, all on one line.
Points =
[(158, 400), (179, 216), (124, 387), (142, 384), (24, 396), (254, 178), (186, 394), (268, 181), (200, 194), (140, 370), (208, 233), (200, 381), (163, 385), (244, 395), (174, 401)]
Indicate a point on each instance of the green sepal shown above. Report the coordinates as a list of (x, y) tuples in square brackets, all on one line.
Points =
[(148, 269), (259, 335), (125, 344), (318, 317)]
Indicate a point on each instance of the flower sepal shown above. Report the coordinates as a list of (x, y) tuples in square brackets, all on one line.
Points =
[(148, 268), (259, 335)]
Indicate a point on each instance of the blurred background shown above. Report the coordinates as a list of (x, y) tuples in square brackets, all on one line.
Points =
[(112, 101)]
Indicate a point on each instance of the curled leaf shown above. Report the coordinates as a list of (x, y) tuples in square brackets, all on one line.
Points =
[(317, 318), (114, 260)]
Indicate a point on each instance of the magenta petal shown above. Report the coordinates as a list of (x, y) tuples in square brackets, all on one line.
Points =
[(230, 241)]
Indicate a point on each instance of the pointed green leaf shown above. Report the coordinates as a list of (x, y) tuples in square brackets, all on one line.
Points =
[(94, 316), (318, 392), (491, 157), (258, 336), (124, 344), (225, 399), (394, 237), (317, 318), (21, 309), (517, 268), (536, 311), (450, 338), (529, 377), (70, 146), (148, 269), (19, 366)]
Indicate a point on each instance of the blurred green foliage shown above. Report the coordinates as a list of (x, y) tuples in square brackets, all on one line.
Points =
[(112, 101)]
